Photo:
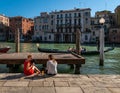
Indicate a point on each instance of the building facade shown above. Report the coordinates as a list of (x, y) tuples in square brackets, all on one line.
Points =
[(114, 32), (117, 13), (42, 31), (96, 26), (61, 26), (4, 28), (114, 35), (25, 25)]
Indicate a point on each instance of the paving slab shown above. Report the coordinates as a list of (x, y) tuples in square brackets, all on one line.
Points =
[(48, 84), (85, 83), (18, 83), (74, 84), (1, 83), (36, 83), (15, 89), (87, 89), (114, 90), (104, 84), (68, 90), (116, 80), (61, 84), (43, 90)]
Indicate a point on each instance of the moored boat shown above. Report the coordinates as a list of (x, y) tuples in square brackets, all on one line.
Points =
[(4, 49), (82, 52)]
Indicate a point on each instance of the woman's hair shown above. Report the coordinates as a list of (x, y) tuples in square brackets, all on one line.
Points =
[(29, 56), (51, 57)]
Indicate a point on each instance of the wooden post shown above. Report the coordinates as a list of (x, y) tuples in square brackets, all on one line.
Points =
[(101, 47), (77, 66), (17, 40), (78, 42)]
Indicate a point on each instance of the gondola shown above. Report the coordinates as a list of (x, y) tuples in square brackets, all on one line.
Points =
[(82, 52)]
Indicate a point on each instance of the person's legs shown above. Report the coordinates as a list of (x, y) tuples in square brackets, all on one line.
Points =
[(36, 69)]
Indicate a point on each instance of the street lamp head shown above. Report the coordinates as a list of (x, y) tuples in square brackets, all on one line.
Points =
[(102, 20)]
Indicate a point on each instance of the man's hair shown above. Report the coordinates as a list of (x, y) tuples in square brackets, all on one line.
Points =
[(29, 56)]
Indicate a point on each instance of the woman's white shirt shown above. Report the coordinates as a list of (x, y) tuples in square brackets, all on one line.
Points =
[(52, 67)]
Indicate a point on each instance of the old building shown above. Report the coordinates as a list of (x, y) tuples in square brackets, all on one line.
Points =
[(4, 28), (114, 35), (114, 32), (61, 26), (95, 25), (117, 13), (68, 21), (42, 31), (25, 25)]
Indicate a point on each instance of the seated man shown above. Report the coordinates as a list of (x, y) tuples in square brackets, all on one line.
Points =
[(29, 67)]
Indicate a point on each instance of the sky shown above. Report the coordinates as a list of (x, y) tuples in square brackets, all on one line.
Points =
[(32, 8)]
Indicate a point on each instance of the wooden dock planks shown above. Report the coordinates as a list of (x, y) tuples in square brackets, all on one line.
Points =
[(41, 58)]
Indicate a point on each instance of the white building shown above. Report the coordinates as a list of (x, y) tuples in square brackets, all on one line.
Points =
[(61, 25), (42, 28)]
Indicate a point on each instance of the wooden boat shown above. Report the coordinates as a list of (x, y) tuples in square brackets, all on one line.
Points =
[(82, 52), (52, 50), (4, 49)]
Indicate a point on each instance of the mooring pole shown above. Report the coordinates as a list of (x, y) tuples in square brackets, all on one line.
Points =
[(77, 66), (78, 42), (17, 40), (101, 47)]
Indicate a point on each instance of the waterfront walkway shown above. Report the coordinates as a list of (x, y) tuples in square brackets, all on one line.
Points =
[(61, 83)]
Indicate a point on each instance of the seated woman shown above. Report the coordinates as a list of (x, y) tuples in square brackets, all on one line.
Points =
[(51, 65), (29, 67)]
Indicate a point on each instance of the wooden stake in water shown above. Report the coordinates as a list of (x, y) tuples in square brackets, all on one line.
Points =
[(77, 66), (78, 42), (101, 47), (17, 40)]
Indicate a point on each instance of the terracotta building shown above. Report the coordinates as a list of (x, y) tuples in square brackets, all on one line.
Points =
[(25, 25), (4, 28)]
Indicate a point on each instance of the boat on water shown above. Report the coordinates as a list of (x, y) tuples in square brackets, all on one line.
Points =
[(4, 49), (82, 52)]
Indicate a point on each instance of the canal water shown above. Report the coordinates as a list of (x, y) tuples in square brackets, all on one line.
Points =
[(111, 62)]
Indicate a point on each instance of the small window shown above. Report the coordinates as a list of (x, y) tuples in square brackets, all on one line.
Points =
[(65, 15), (61, 15), (45, 38), (69, 15), (114, 31), (93, 33), (49, 36), (51, 16), (86, 37), (57, 16), (75, 14), (79, 14), (51, 22)]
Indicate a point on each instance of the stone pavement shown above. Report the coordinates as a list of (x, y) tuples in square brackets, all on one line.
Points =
[(61, 83)]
